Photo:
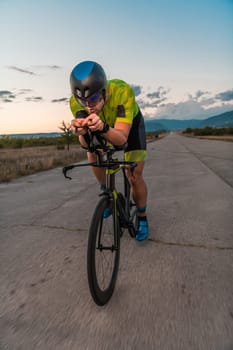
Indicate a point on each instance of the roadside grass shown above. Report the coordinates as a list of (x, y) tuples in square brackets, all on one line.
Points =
[(210, 133), (227, 138), (20, 161), (29, 160), (28, 156)]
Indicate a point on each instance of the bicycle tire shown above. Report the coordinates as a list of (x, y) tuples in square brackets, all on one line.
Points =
[(103, 235)]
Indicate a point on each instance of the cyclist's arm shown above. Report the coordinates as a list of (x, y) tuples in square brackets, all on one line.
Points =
[(124, 100), (119, 134)]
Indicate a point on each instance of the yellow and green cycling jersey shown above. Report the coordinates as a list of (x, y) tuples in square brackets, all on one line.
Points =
[(120, 106)]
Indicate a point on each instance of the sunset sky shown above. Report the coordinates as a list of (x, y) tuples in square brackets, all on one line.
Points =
[(177, 54)]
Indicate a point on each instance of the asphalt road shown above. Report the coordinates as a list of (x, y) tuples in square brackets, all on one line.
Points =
[(174, 291)]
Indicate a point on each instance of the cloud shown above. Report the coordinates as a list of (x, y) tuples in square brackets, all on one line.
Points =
[(7, 100), (149, 104), (22, 70), (137, 89), (181, 110), (63, 99), (153, 99), (158, 94), (25, 91), (9, 96), (201, 104), (143, 104), (26, 95), (50, 67), (54, 67), (5, 93), (186, 110), (6, 96), (34, 99), (207, 101), (153, 95), (198, 95), (205, 98), (34, 69), (225, 96)]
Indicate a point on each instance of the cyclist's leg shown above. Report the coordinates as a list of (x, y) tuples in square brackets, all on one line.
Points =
[(138, 186), (136, 152), (139, 194), (98, 172), (100, 176)]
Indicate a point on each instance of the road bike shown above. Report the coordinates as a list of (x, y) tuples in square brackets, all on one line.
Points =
[(114, 214)]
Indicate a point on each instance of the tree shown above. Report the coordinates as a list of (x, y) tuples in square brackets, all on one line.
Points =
[(67, 134)]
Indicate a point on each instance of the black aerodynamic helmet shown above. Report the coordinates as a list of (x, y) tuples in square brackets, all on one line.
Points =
[(87, 78)]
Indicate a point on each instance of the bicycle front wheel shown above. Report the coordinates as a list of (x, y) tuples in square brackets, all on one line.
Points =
[(103, 252)]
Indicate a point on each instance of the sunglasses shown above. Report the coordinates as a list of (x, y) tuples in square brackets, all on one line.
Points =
[(92, 100)]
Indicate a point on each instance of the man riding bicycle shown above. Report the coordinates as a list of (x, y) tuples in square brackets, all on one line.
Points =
[(109, 107)]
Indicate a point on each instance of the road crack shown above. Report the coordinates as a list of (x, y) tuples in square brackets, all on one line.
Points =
[(54, 227), (189, 245)]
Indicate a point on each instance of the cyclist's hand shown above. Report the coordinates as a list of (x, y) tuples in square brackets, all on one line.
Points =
[(78, 126), (94, 122)]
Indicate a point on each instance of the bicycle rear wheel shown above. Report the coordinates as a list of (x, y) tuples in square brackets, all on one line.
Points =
[(133, 219), (103, 252)]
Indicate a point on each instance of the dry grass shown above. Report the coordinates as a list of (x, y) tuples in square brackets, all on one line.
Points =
[(29, 160), (18, 162), (228, 138), (220, 138)]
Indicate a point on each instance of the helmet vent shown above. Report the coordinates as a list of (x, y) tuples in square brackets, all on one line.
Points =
[(78, 93), (86, 93)]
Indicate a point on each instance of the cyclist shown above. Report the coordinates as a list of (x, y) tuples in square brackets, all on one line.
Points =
[(109, 106)]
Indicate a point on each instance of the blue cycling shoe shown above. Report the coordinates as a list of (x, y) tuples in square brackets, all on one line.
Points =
[(107, 213), (142, 230)]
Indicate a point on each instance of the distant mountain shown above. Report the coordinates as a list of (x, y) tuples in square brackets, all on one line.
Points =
[(154, 125), (221, 120), (170, 124), (34, 135)]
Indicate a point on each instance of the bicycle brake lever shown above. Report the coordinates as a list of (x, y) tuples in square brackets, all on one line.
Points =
[(64, 170)]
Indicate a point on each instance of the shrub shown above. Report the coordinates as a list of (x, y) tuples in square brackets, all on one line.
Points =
[(17, 143), (208, 131)]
